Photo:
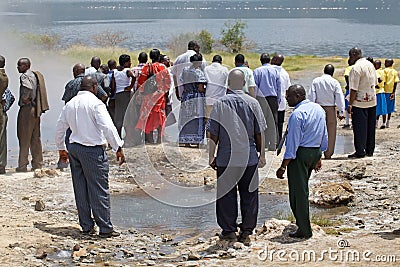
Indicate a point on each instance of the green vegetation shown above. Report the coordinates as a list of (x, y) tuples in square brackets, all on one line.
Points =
[(109, 38), (233, 36), (178, 44), (338, 231), (45, 41)]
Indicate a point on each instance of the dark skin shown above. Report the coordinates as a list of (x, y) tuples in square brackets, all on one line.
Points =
[(78, 69), (90, 84), (294, 95), (23, 65), (129, 73)]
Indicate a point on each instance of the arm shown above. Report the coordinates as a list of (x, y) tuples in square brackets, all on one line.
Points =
[(311, 93), (201, 87), (252, 91), (133, 80), (260, 146), (211, 150), (339, 101), (353, 94)]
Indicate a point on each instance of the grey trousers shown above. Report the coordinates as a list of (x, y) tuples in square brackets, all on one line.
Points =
[(3, 140), (89, 169), (28, 133)]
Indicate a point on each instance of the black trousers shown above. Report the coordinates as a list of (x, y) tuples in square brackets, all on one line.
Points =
[(230, 179), (364, 122), (281, 120)]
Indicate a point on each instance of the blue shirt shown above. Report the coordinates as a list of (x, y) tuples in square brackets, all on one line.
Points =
[(306, 128), (236, 118), (268, 81)]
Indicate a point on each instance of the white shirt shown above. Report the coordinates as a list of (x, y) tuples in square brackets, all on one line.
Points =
[(326, 91), (90, 71), (248, 77), (89, 121), (122, 80), (180, 63), (216, 76), (285, 84)]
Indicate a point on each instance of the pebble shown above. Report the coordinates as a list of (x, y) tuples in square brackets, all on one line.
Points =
[(150, 262), (39, 205)]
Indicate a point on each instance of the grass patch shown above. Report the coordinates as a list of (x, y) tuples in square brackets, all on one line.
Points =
[(338, 231), (287, 216)]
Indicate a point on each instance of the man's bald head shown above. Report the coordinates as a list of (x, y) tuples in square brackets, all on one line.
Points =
[(277, 60), (389, 62), (95, 62), (2, 62), (329, 69), (78, 68), (89, 83), (354, 55), (295, 94), (236, 80)]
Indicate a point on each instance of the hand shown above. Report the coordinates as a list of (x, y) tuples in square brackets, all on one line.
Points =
[(63, 156), (280, 172), (120, 156), (128, 89), (213, 163), (391, 96), (318, 166), (261, 162), (349, 109)]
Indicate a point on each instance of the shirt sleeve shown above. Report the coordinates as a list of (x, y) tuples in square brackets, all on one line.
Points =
[(354, 79), (312, 96), (61, 127), (213, 125), (260, 124), (339, 98), (294, 136), (103, 120)]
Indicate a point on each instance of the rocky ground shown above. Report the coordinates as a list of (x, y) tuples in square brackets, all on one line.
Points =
[(39, 222)]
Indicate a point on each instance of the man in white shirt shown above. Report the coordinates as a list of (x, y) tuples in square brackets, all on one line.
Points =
[(327, 92), (276, 62), (249, 87), (183, 61), (91, 128), (217, 76)]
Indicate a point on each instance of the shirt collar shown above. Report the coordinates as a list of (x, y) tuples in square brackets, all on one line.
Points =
[(305, 101), (266, 64), (238, 92), (84, 93)]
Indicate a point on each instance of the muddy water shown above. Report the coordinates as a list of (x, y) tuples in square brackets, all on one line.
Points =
[(140, 211)]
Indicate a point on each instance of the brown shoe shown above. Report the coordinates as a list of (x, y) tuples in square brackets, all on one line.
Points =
[(21, 169), (113, 233)]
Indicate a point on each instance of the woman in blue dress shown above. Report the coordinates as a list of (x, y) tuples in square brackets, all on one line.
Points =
[(192, 111)]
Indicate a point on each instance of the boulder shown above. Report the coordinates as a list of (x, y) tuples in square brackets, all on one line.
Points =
[(329, 194)]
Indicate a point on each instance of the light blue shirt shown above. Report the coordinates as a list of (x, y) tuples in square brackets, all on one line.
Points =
[(306, 128), (268, 81)]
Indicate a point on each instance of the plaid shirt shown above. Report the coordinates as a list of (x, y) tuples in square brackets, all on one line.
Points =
[(9, 100)]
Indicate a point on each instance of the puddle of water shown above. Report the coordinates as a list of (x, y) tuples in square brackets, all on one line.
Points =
[(344, 144)]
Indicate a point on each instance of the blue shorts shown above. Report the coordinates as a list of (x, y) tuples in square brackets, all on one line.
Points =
[(389, 103), (381, 107)]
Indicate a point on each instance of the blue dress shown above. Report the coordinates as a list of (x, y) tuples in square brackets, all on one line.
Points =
[(192, 111)]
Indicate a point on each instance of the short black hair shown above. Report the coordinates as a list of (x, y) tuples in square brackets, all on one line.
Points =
[(192, 44), (329, 69), (264, 58), (142, 58), (2, 62), (196, 57), (217, 58), (155, 54), (239, 58), (123, 59)]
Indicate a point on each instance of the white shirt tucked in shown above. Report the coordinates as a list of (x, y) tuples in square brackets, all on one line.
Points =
[(326, 91), (285, 84), (89, 121), (216, 75)]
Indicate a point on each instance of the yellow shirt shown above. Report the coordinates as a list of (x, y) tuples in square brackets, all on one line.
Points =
[(347, 70), (391, 77), (380, 73)]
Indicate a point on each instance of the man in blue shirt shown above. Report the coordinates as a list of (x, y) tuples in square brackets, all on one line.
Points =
[(268, 81), (237, 124), (307, 137)]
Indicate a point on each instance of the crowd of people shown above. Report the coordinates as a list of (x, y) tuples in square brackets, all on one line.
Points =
[(240, 111)]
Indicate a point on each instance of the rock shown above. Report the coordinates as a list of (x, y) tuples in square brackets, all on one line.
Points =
[(353, 172), (81, 253), (40, 173), (41, 255), (39, 205), (150, 262), (273, 225), (332, 194), (76, 247), (238, 245), (193, 256)]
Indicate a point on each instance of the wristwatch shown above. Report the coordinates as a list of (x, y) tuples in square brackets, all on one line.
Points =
[(282, 168)]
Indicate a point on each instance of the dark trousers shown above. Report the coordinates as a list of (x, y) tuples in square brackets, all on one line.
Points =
[(364, 122), (3, 140), (230, 179), (299, 171), (281, 120), (269, 106), (122, 100), (89, 169)]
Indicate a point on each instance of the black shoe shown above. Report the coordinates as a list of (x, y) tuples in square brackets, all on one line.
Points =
[(113, 233), (369, 154), (90, 232), (231, 237), (21, 169), (299, 235), (346, 126), (354, 156), (2, 170), (245, 239)]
